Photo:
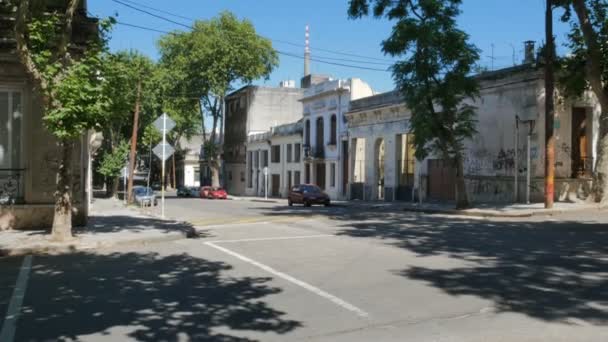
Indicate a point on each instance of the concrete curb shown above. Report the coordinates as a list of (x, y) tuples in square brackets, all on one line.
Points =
[(74, 247), (480, 213)]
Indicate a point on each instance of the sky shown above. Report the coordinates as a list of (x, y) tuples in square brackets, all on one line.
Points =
[(497, 27)]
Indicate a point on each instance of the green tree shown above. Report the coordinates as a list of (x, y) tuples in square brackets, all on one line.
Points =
[(68, 81), (433, 75), (114, 161), (208, 60), (124, 73), (587, 69)]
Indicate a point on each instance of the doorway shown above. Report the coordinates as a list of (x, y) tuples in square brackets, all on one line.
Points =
[(320, 173), (276, 185), (581, 163)]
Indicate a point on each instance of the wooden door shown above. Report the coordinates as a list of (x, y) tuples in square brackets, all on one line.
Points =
[(276, 185), (442, 180)]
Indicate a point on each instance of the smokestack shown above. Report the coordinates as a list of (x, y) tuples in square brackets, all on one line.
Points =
[(307, 53), (529, 52)]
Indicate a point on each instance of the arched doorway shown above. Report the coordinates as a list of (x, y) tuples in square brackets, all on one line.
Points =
[(379, 153)]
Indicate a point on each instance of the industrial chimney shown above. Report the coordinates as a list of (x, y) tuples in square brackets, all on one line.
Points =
[(529, 52), (307, 53)]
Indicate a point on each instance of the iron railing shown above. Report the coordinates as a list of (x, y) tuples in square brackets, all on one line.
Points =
[(317, 152), (11, 186)]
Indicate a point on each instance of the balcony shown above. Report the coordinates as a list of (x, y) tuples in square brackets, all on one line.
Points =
[(11, 186), (316, 152)]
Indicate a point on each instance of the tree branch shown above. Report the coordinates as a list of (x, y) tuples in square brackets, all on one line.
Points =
[(23, 51), (594, 54), (66, 34)]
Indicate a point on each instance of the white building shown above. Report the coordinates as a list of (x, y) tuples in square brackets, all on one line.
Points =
[(280, 150), (510, 132), (326, 133), (187, 164)]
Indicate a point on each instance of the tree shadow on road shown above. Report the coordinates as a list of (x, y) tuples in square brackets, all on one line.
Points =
[(146, 296), (550, 270)]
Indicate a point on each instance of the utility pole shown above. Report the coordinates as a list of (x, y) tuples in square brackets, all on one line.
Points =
[(549, 109), (134, 143)]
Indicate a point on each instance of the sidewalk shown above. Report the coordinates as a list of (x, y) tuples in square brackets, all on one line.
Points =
[(500, 210), (110, 224)]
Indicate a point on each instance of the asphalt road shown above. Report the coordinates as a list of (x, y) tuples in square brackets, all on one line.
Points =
[(266, 272)]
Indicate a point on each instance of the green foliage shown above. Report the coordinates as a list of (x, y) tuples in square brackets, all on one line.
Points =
[(434, 74), (573, 77), (73, 96), (113, 161), (202, 65)]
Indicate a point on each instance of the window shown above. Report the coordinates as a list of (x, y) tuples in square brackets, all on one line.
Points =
[(10, 130), (320, 133), (265, 158), (229, 175), (242, 177), (296, 177), (307, 133), (289, 153), (333, 131), (250, 169), (296, 153), (256, 159), (197, 174), (275, 153), (332, 178)]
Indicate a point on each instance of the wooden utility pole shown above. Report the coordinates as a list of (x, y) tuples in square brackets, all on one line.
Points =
[(549, 108), (134, 143)]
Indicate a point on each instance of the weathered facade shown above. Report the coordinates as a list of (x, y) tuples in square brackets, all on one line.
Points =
[(280, 150), (29, 154), (510, 112), (187, 166), (325, 133), (250, 110)]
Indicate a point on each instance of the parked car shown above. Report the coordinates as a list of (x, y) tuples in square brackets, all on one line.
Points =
[(307, 194), (213, 193), (188, 191), (144, 196), (156, 185)]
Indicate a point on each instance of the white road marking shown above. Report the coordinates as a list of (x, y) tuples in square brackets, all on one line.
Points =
[(311, 288), (14, 308), (275, 238)]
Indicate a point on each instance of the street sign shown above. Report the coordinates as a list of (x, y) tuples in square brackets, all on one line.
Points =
[(158, 151), (168, 124)]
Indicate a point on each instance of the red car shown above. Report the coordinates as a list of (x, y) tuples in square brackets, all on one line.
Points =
[(213, 193), (308, 194)]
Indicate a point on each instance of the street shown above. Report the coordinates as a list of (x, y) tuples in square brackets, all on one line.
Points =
[(267, 272)]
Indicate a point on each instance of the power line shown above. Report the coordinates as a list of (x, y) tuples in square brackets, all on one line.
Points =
[(294, 55), (158, 10), (122, 2)]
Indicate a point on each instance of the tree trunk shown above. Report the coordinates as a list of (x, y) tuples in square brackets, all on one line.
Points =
[(462, 200), (600, 176), (112, 189), (173, 171), (549, 109), (62, 220), (133, 144), (214, 166), (594, 76)]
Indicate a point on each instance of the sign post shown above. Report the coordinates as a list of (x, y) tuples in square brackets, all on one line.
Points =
[(265, 182), (163, 151), (125, 172)]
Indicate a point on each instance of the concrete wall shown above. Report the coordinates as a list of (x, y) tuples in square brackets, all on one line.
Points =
[(39, 157)]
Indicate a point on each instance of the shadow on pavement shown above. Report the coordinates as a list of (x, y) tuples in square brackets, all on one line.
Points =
[(146, 296), (551, 270)]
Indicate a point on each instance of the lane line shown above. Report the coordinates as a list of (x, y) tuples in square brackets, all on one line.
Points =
[(275, 238), (340, 302), (14, 308)]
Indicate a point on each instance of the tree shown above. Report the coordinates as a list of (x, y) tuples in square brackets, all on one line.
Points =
[(208, 60), (124, 73), (587, 69), (113, 162), (434, 75), (67, 78)]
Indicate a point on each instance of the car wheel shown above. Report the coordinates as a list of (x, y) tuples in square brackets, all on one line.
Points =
[(307, 204), (289, 203), (327, 204)]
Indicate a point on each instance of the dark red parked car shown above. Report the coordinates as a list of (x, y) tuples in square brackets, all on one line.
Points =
[(307, 194), (213, 193)]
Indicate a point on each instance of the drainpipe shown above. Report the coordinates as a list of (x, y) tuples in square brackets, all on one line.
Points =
[(515, 193), (528, 165)]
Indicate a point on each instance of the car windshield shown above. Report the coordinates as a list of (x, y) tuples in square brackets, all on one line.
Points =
[(310, 189), (144, 191)]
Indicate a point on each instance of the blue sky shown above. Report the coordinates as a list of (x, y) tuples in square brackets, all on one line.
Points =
[(504, 24)]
